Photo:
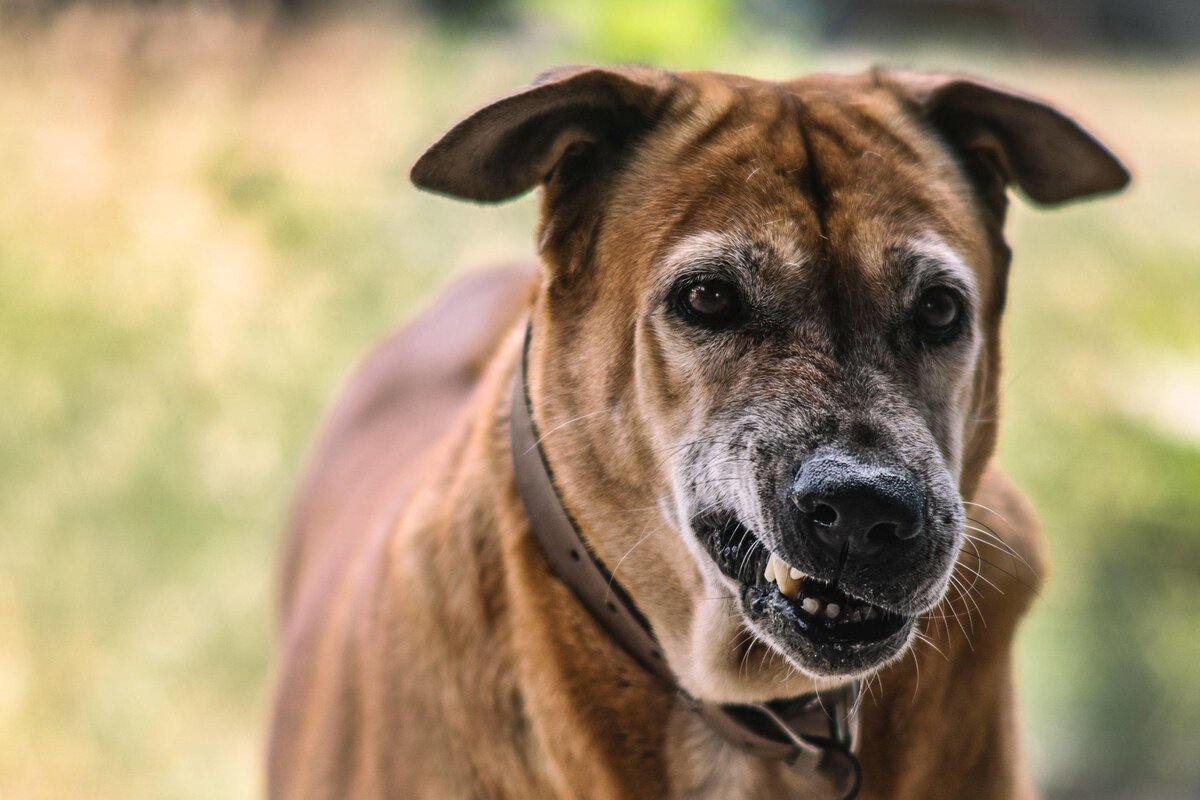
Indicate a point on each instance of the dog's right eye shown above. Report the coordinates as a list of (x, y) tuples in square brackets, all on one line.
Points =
[(938, 314), (712, 303)]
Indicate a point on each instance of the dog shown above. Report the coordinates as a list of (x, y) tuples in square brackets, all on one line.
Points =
[(759, 364)]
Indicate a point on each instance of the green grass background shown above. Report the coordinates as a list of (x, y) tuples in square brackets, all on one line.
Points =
[(205, 219)]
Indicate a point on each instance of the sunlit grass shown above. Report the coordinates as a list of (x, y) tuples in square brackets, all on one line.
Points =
[(205, 220)]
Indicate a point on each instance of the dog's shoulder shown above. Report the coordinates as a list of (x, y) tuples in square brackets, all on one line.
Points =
[(1006, 539)]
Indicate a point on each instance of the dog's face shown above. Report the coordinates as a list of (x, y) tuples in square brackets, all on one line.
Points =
[(765, 356)]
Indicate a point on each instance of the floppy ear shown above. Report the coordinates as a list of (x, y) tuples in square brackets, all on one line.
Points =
[(1003, 137), (512, 145)]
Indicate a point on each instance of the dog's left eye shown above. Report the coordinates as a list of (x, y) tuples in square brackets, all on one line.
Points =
[(713, 303), (938, 312)]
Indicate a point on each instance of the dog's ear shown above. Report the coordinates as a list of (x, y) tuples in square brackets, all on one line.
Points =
[(1003, 138), (550, 130)]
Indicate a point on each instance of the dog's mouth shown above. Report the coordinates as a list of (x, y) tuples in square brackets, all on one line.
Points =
[(825, 612), (828, 629)]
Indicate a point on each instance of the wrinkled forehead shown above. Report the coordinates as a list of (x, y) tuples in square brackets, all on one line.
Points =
[(825, 169)]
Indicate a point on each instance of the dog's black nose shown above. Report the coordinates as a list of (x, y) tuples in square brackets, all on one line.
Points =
[(850, 509)]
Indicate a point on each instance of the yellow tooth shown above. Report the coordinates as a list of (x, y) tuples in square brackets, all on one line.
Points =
[(795, 573), (769, 572), (788, 585)]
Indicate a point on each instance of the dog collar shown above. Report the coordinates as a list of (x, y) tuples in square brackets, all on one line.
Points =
[(812, 734)]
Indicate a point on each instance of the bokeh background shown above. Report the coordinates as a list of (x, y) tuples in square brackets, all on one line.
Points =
[(205, 219)]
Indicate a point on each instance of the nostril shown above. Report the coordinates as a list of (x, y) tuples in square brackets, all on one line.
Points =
[(824, 515), (883, 533)]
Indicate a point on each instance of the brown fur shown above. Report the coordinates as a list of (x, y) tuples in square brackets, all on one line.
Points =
[(428, 652)]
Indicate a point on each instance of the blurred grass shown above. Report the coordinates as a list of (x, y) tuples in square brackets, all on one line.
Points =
[(205, 219)]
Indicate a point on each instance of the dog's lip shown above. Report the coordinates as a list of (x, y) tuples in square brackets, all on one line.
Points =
[(823, 612)]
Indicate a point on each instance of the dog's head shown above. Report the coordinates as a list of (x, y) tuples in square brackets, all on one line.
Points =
[(765, 353)]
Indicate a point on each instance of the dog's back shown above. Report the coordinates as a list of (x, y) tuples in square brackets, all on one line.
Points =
[(401, 400), (407, 393)]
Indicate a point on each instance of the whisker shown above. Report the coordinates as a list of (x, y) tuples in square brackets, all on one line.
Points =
[(560, 426), (923, 638), (1003, 547), (1001, 570), (613, 577), (985, 508), (917, 663), (999, 542)]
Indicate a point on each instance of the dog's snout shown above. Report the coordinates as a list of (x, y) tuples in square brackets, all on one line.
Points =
[(849, 509)]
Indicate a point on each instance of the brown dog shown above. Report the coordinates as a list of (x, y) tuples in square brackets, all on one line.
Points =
[(764, 359)]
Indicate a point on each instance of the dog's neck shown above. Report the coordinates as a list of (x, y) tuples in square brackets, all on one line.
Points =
[(812, 733), (612, 729), (604, 725)]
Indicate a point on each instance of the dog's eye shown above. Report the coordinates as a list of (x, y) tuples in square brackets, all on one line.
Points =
[(713, 303), (938, 312)]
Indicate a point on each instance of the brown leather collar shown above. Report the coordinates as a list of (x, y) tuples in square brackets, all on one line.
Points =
[(809, 733)]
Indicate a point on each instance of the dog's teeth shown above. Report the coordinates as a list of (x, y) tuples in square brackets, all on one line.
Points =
[(832, 610), (775, 568), (788, 585), (795, 574), (811, 605), (779, 572)]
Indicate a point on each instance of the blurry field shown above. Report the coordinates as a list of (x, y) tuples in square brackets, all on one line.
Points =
[(203, 222)]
